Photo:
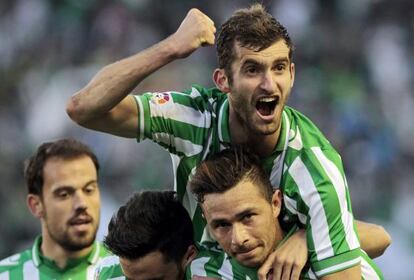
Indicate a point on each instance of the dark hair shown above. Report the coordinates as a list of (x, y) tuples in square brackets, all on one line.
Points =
[(150, 221), (225, 170), (64, 149), (252, 28)]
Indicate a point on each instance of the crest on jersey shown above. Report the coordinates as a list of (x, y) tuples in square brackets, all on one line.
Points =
[(160, 98)]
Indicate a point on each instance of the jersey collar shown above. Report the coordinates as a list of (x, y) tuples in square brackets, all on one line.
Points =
[(38, 258)]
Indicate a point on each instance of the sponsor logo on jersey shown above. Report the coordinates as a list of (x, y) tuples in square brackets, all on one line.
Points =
[(160, 98)]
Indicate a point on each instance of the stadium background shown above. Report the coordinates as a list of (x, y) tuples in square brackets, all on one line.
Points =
[(355, 80)]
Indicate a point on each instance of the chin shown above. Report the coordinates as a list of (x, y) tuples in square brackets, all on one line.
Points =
[(253, 263)]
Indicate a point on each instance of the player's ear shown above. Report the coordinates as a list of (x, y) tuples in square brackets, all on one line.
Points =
[(221, 80), (189, 256), (292, 74), (34, 202), (276, 203)]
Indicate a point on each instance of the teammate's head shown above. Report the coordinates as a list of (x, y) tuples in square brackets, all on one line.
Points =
[(63, 193), (253, 28), (65, 149), (224, 170), (239, 206), (153, 236)]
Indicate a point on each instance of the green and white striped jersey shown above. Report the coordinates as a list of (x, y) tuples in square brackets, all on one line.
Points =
[(109, 268), (212, 262), (31, 265), (194, 124)]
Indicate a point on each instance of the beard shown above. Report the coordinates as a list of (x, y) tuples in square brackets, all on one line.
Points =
[(71, 242), (252, 123)]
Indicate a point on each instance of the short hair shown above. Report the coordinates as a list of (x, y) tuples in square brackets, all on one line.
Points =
[(64, 149), (226, 169), (252, 28), (151, 221)]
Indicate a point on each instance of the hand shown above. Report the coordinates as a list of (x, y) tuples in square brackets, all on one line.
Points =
[(195, 31), (287, 261)]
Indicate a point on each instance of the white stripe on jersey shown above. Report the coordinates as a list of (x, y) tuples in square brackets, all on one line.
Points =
[(189, 201), (141, 118), (337, 181), (338, 267), (181, 113), (220, 120), (292, 207), (181, 145), (296, 143), (197, 266), (367, 271), (4, 275), (175, 160), (30, 271), (108, 261), (226, 269), (277, 168), (310, 196), (90, 272)]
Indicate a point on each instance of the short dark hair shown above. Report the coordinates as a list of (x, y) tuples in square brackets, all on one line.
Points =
[(252, 28), (151, 221), (226, 169), (64, 149)]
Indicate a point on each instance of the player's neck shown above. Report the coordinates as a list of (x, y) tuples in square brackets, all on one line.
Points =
[(261, 144), (53, 251), (280, 234)]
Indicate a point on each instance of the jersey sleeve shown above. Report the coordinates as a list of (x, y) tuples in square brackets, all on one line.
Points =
[(177, 121), (318, 195)]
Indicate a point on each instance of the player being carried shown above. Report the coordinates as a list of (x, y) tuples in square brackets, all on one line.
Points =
[(253, 82)]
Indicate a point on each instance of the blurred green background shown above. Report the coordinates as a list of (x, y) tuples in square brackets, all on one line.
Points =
[(355, 80)]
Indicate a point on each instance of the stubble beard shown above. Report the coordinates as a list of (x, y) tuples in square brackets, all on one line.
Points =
[(72, 243)]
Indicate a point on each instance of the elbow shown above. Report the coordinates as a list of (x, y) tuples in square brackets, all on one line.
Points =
[(75, 111), (386, 239)]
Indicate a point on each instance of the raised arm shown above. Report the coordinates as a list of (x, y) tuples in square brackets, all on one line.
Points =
[(104, 103)]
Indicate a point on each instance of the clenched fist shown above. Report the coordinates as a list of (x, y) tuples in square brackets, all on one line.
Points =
[(195, 31)]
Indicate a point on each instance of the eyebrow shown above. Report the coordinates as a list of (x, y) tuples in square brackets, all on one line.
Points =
[(238, 216), (256, 62), (70, 188)]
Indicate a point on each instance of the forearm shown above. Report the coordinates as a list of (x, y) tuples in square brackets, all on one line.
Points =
[(374, 238), (115, 81)]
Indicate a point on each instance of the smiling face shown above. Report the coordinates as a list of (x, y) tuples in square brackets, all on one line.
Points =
[(243, 222), (70, 204), (260, 87)]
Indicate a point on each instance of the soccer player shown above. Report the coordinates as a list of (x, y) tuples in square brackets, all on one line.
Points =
[(151, 237), (254, 80), (242, 213), (63, 193)]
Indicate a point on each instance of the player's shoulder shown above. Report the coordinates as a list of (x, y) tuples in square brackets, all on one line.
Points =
[(15, 261), (304, 135)]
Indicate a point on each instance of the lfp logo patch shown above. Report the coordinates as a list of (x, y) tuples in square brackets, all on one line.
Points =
[(160, 98)]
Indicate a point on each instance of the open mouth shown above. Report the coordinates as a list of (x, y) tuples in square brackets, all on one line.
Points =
[(265, 106)]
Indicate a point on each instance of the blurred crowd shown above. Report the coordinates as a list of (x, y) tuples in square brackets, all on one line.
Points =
[(354, 79)]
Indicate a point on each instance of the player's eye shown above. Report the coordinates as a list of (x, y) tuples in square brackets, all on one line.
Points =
[(90, 189), (279, 67)]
